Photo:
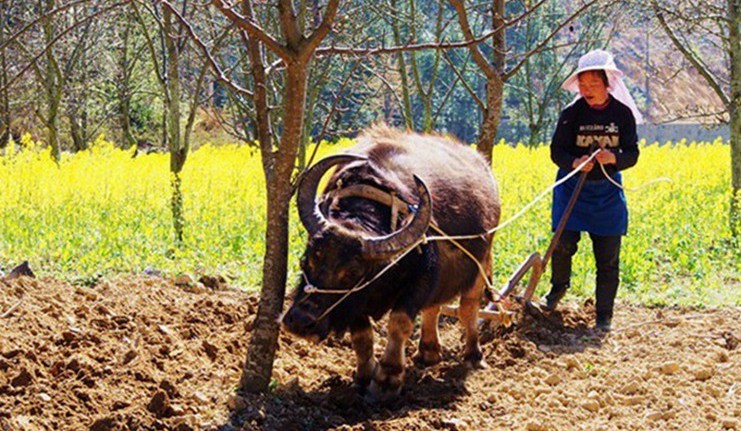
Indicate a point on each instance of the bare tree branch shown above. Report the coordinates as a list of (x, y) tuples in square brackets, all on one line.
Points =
[(218, 72), (58, 37), (687, 53), (545, 41), (254, 30)]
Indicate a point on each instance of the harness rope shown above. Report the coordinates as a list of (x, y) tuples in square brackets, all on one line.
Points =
[(442, 236)]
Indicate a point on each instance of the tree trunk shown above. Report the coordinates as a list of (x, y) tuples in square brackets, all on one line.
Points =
[(52, 120), (53, 84), (494, 84), (402, 67), (124, 90), (178, 152), (264, 340), (734, 18), (5, 129), (124, 114), (76, 131), (492, 115)]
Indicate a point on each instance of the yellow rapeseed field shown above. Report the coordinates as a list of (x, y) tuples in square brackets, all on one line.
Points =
[(102, 212)]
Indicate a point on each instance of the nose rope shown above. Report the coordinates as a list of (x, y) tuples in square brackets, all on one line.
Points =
[(309, 288)]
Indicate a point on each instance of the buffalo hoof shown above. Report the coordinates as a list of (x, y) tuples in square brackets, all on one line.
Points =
[(475, 360), (428, 355), (386, 384), (364, 375)]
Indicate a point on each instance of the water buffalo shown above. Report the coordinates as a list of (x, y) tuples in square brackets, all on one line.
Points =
[(420, 182)]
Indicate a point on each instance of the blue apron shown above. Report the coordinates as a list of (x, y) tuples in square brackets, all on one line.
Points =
[(601, 208)]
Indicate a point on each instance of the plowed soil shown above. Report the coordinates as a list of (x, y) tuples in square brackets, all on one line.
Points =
[(140, 353)]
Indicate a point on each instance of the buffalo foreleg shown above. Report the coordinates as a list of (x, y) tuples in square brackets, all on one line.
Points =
[(389, 375), (361, 334), (429, 342)]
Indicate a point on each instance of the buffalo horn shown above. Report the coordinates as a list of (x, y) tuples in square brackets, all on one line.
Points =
[(308, 210)]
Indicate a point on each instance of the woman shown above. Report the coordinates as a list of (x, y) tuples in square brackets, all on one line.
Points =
[(603, 115)]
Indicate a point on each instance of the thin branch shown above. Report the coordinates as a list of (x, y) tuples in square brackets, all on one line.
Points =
[(11, 310), (468, 88), (57, 38), (545, 41), (324, 28), (692, 58), (206, 51), (44, 16), (253, 29), (331, 112), (716, 114)]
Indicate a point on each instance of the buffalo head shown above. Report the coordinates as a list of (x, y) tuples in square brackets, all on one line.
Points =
[(338, 257)]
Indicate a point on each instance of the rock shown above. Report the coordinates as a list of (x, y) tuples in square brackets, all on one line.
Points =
[(669, 368), (183, 280), (43, 396), (200, 397), (236, 402), (176, 410), (211, 350), (630, 388), (591, 405), (170, 388), (721, 356), (152, 272), (196, 288), (22, 270), (10, 354), (129, 356), (536, 426), (119, 404), (573, 364), (159, 404), (104, 424), (24, 378), (654, 415), (165, 329), (553, 379), (455, 424), (632, 401), (213, 282), (729, 424), (703, 373)]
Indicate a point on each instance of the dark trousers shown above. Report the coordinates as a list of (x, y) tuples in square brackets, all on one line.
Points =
[(606, 254)]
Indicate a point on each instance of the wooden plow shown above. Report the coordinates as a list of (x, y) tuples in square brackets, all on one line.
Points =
[(500, 310)]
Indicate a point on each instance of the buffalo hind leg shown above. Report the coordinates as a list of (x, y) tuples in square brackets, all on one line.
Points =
[(361, 334), (389, 375), (429, 341), (469, 315)]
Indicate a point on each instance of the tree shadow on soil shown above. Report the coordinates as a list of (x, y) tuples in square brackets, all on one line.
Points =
[(336, 402)]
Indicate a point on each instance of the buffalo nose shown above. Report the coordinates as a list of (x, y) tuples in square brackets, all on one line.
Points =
[(297, 320)]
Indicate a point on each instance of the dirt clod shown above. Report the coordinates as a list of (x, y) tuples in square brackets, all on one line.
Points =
[(669, 368), (24, 378), (159, 404)]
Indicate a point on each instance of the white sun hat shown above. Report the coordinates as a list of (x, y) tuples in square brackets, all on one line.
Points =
[(599, 59)]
